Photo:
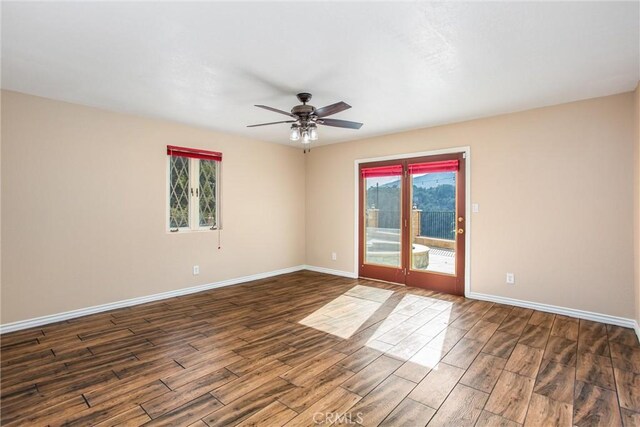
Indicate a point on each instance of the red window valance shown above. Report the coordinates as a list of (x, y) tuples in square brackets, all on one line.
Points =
[(433, 167), (394, 170), (194, 153)]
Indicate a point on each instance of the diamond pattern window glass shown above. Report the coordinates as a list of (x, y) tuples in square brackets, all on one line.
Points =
[(179, 193), (207, 193), (193, 194)]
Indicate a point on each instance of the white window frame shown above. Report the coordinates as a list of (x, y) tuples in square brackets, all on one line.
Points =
[(194, 199)]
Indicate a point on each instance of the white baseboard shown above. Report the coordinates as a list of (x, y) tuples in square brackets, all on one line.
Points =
[(59, 317), (580, 314), (44, 320), (330, 271), (572, 312)]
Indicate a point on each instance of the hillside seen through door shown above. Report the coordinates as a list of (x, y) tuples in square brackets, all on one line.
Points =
[(433, 221)]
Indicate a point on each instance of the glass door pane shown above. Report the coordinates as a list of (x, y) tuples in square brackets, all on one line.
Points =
[(382, 219), (433, 222)]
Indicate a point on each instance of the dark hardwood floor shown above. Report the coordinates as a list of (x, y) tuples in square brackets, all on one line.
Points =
[(311, 349)]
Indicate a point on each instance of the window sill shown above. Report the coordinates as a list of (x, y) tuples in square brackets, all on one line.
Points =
[(190, 231)]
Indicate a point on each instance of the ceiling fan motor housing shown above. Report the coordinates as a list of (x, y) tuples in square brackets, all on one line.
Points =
[(303, 110)]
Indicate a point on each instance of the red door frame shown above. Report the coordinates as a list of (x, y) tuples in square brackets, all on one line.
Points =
[(452, 284)]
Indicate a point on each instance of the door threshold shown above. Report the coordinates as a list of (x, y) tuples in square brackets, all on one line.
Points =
[(381, 281)]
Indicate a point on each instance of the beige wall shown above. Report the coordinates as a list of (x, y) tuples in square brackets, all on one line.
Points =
[(555, 189), (84, 194), (637, 201), (84, 202)]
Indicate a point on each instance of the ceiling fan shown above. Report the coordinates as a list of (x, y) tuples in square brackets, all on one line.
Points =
[(307, 117)]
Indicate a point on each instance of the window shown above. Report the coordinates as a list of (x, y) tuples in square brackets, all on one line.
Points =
[(193, 189)]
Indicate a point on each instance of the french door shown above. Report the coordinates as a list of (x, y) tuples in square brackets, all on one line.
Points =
[(412, 222)]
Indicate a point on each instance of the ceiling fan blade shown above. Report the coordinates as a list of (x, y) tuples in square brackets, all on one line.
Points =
[(340, 123), (275, 110), (332, 109), (272, 123)]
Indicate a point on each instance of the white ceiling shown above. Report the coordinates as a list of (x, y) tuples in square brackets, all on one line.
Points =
[(400, 65)]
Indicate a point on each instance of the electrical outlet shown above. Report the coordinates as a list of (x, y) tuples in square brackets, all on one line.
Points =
[(196, 270), (511, 279), (334, 256)]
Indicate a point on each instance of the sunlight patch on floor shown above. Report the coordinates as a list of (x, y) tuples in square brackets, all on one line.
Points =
[(413, 330), (344, 315)]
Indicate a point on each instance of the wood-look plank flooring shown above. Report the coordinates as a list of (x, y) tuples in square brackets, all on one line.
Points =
[(308, 349)]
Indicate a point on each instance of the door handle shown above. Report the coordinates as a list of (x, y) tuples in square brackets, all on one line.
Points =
[(460, 231)]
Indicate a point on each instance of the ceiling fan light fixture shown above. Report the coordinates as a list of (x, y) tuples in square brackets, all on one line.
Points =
[(313, 133), (305, 137), (295, 133)]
